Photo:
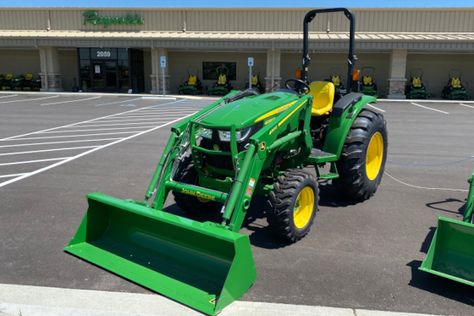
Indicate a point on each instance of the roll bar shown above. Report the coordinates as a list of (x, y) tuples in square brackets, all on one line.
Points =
[(351, 57)]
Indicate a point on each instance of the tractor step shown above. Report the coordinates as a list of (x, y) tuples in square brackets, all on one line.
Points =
[(319, 156)]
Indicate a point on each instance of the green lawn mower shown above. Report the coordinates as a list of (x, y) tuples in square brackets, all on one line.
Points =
[(415, 89), (367, 84), (451, 253), (191, 86), (337, 81), (455, 90), (216, 161), (222, 86), (26, 82), (6, 81), (256, 84)]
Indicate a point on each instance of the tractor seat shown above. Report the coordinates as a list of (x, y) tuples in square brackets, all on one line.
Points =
[(323, 97)]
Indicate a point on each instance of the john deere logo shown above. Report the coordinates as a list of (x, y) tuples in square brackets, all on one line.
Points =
[(94, 18)]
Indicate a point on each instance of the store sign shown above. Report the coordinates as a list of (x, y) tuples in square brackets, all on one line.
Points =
[(94, 18)]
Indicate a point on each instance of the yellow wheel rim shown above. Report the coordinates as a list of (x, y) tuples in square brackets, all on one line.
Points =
[(374, 156), (304, 206)]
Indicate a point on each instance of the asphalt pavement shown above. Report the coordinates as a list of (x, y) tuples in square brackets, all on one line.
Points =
[(54, 149)]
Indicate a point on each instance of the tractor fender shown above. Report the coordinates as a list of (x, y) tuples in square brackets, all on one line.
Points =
[(342, 117)]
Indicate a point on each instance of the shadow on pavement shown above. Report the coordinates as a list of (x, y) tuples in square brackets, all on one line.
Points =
[(434, 206), (440, 286)]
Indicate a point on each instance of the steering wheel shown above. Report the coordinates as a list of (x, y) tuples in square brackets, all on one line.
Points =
[(297, 85)]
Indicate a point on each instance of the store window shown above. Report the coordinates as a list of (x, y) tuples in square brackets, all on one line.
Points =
[(211, 69)]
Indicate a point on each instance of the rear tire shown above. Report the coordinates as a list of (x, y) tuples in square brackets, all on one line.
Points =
[(294, 202), (363, 157), (187, 174)]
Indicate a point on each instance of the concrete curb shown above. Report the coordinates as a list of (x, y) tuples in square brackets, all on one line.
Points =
[(28, 300), (135, 95)]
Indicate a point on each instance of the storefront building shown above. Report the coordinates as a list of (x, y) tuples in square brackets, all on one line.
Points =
[(120, 50)]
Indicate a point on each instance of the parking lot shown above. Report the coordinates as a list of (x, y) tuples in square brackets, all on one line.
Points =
[(56, 148)]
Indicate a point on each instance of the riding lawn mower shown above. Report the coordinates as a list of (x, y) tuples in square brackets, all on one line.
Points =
[(216, 161), (455, 90), (415, 89), (222, 86), (191, 86)]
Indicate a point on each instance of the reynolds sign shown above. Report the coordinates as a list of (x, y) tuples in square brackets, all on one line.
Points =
[(94, 18)]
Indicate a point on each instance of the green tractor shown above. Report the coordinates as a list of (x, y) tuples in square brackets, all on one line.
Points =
[(415, 89), (191, 86), (455, 90), (368, 86), (451, 253), (222, 86), (216, 161)]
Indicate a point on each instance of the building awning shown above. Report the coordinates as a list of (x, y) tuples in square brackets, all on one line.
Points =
[(230, 40)]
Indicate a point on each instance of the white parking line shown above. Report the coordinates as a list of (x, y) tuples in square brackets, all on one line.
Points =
[(428, 108), (375, 108), (28, 100), (32, 161), (71, 101), (8, 96), (67, 136), (118, 102), (155, 121), (467, 105), (73, 124), (139, 120), (45, 150), (12, 175), (94, 130), (85, 153), (60, 142)]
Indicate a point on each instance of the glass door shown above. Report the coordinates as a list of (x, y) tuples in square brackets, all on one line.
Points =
[(104, 75)]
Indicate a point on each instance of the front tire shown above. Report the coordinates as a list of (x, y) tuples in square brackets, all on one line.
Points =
[(294, 202), (362, 162)]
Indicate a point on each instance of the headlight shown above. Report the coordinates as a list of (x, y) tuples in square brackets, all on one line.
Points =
[(239, 135), (204, 132)]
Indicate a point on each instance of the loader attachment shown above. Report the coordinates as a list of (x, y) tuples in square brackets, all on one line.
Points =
[(202, 265), (451, 253)]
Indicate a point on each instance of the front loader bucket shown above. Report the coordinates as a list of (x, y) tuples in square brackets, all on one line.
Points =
[(451, 253), (202, 265)]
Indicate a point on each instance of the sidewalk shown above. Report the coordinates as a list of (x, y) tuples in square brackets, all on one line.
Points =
[(25, 300)]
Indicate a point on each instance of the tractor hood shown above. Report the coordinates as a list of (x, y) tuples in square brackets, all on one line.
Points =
[(250, 110)]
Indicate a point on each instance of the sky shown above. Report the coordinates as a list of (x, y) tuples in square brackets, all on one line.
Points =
[(240, 4)]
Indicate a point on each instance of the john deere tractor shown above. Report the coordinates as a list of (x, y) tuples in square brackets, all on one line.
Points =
[(216, 161), (455, 90)]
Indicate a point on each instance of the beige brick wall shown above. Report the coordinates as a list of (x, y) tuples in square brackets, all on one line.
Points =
[(68, 67), (436, 68), (180, 62), (19, 61), (324, 64)]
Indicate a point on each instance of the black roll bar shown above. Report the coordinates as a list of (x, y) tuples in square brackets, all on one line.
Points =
[(351, 57)]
